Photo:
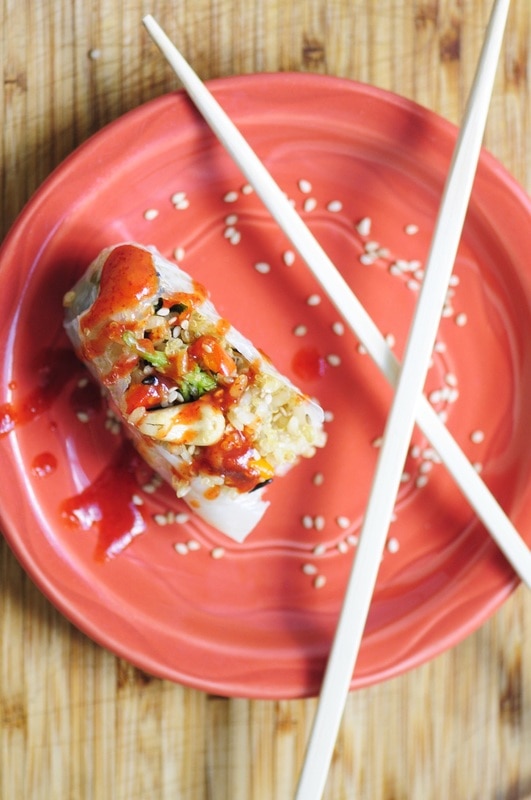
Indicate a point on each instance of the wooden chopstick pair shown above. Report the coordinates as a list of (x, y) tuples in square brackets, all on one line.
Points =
[(409, 404)]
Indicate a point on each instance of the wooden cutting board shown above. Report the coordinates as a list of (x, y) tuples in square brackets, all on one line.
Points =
[(78, 723)]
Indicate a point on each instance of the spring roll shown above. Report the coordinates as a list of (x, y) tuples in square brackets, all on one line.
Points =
[(203, 406)]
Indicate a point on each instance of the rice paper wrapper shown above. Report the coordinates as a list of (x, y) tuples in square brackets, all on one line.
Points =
[(203, 406)]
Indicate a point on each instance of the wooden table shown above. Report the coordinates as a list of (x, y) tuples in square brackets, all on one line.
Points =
[(75, 721)]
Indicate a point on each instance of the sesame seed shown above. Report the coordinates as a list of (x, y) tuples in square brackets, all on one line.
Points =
[(305, 186), (328, 416), (478, 466), (151, 213), (319, 522), (342, 547), (413, 285), (229, 231), (411, 229), (182, 204), (377, 442), (262, 267), (310, 204), (149, 488), (334, 206), (435, 396), (405, 477), (390, 339), (193, 544), (288, 258), (421, 481), (82, 416), (307, 522), (163, 312), (415, 451), (319, 581), (367, 259), (477, 437), (235, 238), (426, 467), (160, 519), (394, 269), (182, 517), (137, 500), (454, 280), (300, 330), (343, 522), (178, 253), (450, 379), (247, 189), (319, 550), (352, 539), (230, 197), (338, 328), (231, 219), (362, 350), (217, 552), (318, 479), (309, 569), (333, 359), (364, 226), (313, 300), (393, 545), (94, 53), (461, 319), (181, 548), (440, 347), (178, 197)]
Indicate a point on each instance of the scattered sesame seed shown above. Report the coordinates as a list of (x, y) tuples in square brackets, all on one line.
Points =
[(319, 522), (393, 545), (182, 517), (421, 481), (310, 204), (334, 206), (454, 280), (415, 451), (478, 466), (461, 319), (342, 547), (343, 522), (307, 521), (352, 539), (231, 219), (177, 197), (178, 253), (390, 339), (193, 544), (151, 213), (413, 285), (94, 53), (181, 548), (318, 479), (288, 258), (447, 311), (160, 519), (367, 259), (394, 269), (411, 229), (319, 550), (405, 477), (217, 552), (149, 488), (309, 569), (362, 350), (262, 267), (328, 416), (235, 238), (82, 416), (435, 396), (300, 330), (247, 189), (338, 328), (319, 581), (305, 186), (137, 500), (440, 347), (377, 442), (333, 359), (426, 467), (313, 300), (477, 437), (230, 197), (164, 311), (364, 226)]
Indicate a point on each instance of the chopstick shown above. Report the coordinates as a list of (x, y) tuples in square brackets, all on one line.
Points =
[(401, 419), (472, 486)]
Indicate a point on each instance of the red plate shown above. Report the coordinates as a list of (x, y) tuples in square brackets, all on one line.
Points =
[(257, 619)]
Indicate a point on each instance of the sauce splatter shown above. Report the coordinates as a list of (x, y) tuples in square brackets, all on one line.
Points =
[(107, 505), (308, 364)]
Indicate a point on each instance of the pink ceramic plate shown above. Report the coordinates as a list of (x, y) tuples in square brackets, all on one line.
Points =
[(365, 169)]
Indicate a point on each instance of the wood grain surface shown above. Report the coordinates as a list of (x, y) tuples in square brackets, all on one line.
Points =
[(78, 723)]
